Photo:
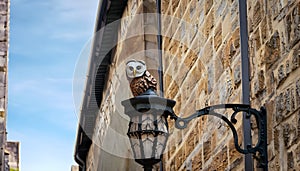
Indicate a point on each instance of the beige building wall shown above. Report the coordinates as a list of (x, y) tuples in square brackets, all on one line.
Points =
[(111, 149), (202, 66), (274, 28)]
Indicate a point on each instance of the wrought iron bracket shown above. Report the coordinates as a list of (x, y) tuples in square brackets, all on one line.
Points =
[(259, 151)]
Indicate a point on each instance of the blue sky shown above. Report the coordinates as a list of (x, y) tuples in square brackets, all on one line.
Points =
[(46, 39)]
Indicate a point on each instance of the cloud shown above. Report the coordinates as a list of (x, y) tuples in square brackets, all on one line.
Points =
[(54, 24), (46, 38), (50, 92)]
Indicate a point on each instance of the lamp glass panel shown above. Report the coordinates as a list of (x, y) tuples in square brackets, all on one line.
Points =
[(148, 134)]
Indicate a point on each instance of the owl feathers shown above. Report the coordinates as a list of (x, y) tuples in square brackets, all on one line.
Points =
[(139, 78)]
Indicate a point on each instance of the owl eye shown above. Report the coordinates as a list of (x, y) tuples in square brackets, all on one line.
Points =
[(138, 67), (131, 68)]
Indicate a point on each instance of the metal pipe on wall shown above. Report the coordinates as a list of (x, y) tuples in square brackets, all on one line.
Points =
[(159, 47), (245, 79)]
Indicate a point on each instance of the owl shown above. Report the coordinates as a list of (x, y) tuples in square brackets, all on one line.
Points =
[(139, 78)]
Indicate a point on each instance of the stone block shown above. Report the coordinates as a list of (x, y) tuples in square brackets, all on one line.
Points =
[(210, 81), (281, 74), (237, 75), (259, 84), (174, 5), (181, 75), (289, 100), (270, 82), (220, 161), (274, 8), (3, 35), (151, 38), (221, 9), (4, 8), (235, 24), (280, 107), (177, 108), (271, 51), (208, 5), (149, 6), (228, 53), (197, 161), (3, 48), (257, 13), (297, 91), (2, 79), (271, 112), (271, 151), (206, 54), (166, 44), (289, 134), (236, 38), (209, 24), (179, 160), (229, 84), (295, 59), (207, 149), (2, 92), (198, 71), (290, 161), (201, 16), (174, 47), (274, 164), (257, 40), (264, 30), (219, 70), (2, 103), (293, 26), (297, 152), (136, 27), (189, 145), (234, 8), (201, 94), (226, 26), (190, 60), (192, 9), (192, 32), (234, 155), (217, 37), (167, 79), (3, 21), (236, 164)]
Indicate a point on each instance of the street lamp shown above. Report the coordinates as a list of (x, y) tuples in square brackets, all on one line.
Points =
[(148, 128)]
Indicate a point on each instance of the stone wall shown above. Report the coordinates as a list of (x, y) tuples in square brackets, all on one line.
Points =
[(274, 31), (202, 67), (4, 40)]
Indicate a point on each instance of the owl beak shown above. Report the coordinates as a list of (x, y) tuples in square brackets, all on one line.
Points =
[(134, 72)]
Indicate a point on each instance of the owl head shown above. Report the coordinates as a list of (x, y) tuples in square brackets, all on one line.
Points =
[(135, 68)]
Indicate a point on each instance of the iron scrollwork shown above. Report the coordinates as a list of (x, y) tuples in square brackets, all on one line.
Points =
[(260, 118)]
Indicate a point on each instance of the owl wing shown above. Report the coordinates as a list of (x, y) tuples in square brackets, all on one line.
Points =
[(151, 81), (142, 84)]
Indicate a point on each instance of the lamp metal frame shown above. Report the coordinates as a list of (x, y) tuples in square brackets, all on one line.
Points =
[(150, 101)]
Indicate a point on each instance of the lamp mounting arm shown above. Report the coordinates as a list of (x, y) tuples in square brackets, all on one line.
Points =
[(260, 118)]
